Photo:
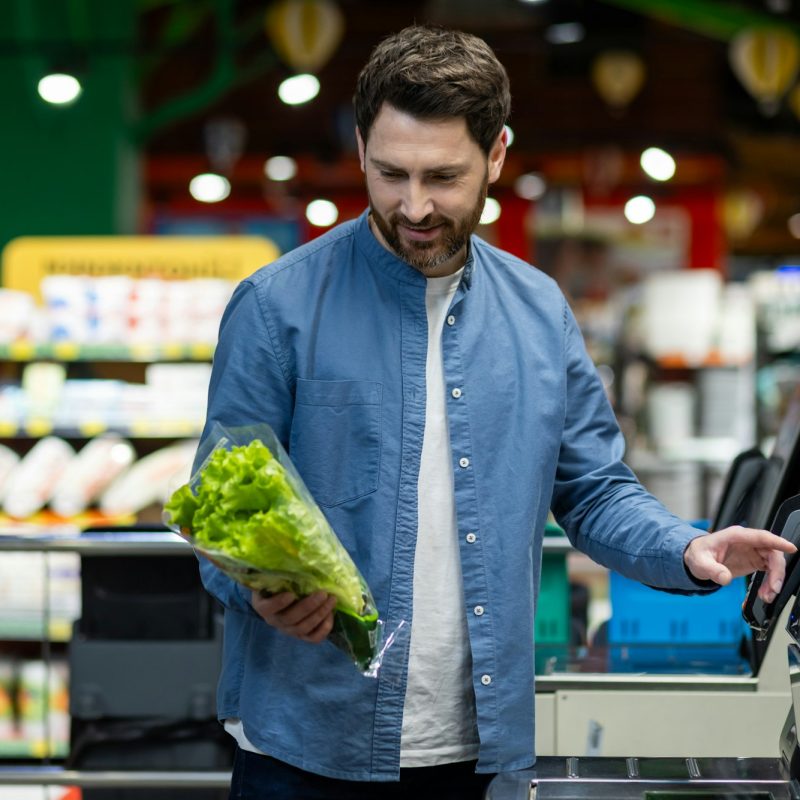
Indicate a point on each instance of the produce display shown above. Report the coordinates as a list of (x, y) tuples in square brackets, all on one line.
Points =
[(248, 511)]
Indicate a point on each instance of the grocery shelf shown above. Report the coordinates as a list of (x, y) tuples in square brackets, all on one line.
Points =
[(21, 748), (72, 351), (35, 629), (57, 776), (137, 429), (96, 543)]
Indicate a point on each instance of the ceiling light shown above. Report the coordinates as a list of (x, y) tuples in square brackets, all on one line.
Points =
[(209, 188), (491, 211), (280, 168), (298, 89), (640, 209), (794, 225), (657, 163), (565, 33), (509, 135), (530, 186), (321, 213), (59, 88)]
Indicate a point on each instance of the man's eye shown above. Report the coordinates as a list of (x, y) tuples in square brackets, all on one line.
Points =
[(444, 177), (390, 176)]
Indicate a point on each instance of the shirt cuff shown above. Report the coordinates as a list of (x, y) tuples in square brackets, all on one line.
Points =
[(676, 574)]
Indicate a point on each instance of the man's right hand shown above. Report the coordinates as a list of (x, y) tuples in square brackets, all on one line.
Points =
[(307, 618)]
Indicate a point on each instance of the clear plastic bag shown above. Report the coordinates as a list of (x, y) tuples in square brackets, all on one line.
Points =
[(247, 510)]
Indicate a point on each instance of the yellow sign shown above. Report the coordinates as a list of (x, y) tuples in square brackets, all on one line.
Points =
[(27, 260)]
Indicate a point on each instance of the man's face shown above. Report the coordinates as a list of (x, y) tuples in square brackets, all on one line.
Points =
[(427, 182)]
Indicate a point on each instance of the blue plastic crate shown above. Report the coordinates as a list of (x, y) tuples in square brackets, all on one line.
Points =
[(644, 615), (658, 631)]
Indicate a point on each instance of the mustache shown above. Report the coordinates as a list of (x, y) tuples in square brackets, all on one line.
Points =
[(430, 221)]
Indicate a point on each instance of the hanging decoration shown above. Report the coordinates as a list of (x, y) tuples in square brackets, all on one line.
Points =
[(741, 210), (618, 76), (794, 100), (225, 139), (766, 61), (305, 33)]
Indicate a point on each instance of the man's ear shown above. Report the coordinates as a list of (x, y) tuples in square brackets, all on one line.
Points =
[(497, 156), (362, 147)]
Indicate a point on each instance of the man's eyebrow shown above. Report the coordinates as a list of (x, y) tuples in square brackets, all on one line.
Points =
[(376, 162), (385, 165)]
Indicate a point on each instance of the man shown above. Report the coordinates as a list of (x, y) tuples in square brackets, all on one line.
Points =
[(436, 397)]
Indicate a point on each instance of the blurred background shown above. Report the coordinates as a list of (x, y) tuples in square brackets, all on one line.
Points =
[(154, 152)]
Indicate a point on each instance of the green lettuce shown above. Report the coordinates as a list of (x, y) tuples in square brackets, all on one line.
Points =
[(246, 513)]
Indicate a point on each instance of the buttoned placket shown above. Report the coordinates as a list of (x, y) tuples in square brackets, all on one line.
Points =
[(473, 572)]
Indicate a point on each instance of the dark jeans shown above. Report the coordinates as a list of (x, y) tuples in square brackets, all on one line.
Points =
[(257, 777)]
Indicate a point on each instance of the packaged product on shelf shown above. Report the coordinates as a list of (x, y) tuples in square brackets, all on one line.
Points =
[(43, 703), (149, 480), (92, 470), (110, 309), (40, 595), (7, 727), (42, 382), (67, 299), (16, 311), (178, 314), (90, 401), (13, 405), (30, 485), (146, 312), (8, 460), (32, 692), (178, 391)]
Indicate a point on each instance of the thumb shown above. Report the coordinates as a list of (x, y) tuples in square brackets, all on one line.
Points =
[(706, 567), (720, 574)]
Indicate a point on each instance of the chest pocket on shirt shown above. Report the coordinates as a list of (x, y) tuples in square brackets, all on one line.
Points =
[(335, 441)]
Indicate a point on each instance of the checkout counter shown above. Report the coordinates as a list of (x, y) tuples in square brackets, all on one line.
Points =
[(688, 778)]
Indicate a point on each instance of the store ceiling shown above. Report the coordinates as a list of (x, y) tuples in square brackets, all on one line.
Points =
[(202, 61)]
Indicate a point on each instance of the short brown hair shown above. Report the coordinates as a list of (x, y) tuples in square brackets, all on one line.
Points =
[(435, 73)]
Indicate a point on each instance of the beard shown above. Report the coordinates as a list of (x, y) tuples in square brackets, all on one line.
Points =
[(426, 256)]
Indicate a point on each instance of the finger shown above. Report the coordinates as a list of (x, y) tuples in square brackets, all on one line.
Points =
[(776, 571), (764, 540), (308, 624), (267, 606), (720, 574), (274, 604), (320, 633), (297, 613), (705, 566)]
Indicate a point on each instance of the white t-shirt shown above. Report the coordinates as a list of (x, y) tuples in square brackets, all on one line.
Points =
[(439, 712), (439, 724)]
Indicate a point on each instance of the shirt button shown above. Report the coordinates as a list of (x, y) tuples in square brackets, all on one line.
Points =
[(486, 679), (456, 393), (478, 610), (451, 320), (463, 462), (470, 537)]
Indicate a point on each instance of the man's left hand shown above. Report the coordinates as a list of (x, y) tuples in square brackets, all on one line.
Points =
[(732, 552)]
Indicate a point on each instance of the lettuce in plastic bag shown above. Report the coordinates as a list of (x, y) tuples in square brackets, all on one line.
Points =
[(248, 511)]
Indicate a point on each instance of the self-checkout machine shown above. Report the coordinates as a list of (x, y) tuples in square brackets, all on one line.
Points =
[(746, 777), (601, 712), (699, 714)]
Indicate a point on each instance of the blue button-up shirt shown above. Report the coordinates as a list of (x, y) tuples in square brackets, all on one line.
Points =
[(328, 345)]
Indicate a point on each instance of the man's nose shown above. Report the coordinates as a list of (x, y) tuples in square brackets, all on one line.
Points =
[(417, 202)]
